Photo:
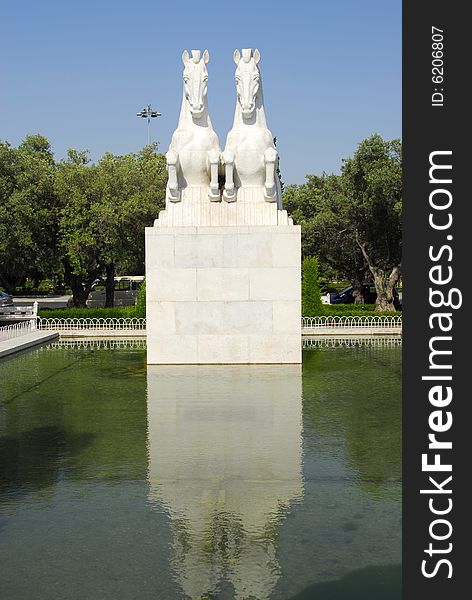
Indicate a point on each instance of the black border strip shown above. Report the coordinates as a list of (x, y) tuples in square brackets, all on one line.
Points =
[(427, 128)]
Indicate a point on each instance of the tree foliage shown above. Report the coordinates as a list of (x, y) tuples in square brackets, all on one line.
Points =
[(27, 212), (104, 209), (352, 221), (373, 191), (75, 218)]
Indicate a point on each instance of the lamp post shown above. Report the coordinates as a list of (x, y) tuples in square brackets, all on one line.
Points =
[(148, 113)]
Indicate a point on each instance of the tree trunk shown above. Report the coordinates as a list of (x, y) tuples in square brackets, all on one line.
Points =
[(80, 290), (79, 293), (110, 286), (383, 302), (384, 283), (358, 288), (10, 282)]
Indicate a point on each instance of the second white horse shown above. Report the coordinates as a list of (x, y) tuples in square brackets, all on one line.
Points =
[(250, 157)]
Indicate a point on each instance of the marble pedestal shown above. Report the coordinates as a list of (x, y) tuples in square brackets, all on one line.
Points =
[(223, 294)]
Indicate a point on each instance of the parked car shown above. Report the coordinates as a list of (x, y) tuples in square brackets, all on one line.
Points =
[(5, 299), (346, 296)]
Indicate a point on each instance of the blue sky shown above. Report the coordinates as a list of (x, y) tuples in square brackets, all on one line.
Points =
[(78, 72)]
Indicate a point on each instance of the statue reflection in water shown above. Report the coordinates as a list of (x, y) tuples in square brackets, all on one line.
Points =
[(225, 462)]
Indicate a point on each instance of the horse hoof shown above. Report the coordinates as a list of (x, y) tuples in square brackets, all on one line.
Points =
[(214, 195), (270, 194), (229, 195), (173, 195)]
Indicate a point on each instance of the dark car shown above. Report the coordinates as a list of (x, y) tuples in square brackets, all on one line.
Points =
[(346, 296), (5, 299)]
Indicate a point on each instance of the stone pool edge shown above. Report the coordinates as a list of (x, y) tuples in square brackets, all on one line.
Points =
[(23, 342)]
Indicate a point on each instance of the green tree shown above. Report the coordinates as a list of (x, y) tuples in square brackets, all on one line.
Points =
[(372, 183), (301, 202), (311, 294), (28, 209), (104, 210), (142, 205), (319, 207), (79, 190), (133, 194), (352, 221)]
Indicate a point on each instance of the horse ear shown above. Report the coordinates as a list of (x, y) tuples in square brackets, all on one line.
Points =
[(236, 56), (206, 56), (257, 56), (185, 57)]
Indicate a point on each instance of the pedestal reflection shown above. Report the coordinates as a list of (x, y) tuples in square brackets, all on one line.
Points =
[(225, 461)]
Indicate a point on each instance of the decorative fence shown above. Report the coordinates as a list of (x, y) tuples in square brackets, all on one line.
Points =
[(312, 343), (98, 324), (8, 332), (357, 322), (377, 322)]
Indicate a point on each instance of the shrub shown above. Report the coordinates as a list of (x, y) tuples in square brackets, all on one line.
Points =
[(311, 293), (140, 308), (126, 312), (353, 310)]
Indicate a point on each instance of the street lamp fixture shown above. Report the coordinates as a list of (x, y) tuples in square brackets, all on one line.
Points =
[(148, 113)]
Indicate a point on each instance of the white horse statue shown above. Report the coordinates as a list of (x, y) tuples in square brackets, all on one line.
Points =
[(250, 157), (194, 154)]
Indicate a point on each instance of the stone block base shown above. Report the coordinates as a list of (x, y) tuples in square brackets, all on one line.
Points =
[(223, 294)]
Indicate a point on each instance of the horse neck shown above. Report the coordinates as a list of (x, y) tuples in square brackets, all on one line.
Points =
[(186, 120), (260, 118)]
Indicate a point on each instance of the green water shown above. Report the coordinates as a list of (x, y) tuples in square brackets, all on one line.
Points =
[(127, 482)]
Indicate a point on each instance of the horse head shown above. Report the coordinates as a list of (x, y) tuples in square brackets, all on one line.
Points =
[(248, 79), (195, 78)]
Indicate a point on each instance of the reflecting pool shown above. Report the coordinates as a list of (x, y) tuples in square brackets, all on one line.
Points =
[(123, 481)]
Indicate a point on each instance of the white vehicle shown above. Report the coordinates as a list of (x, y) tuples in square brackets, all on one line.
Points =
[(126, 291)]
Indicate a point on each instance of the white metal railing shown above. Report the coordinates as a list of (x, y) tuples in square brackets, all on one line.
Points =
[(135, 323), (97, 324), (351, 342), (357, 322), (8, 332)]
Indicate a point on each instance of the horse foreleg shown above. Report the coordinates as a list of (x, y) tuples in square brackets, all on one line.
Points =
[(172, 159), (270, 160), (229, 193), (214, 160)]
